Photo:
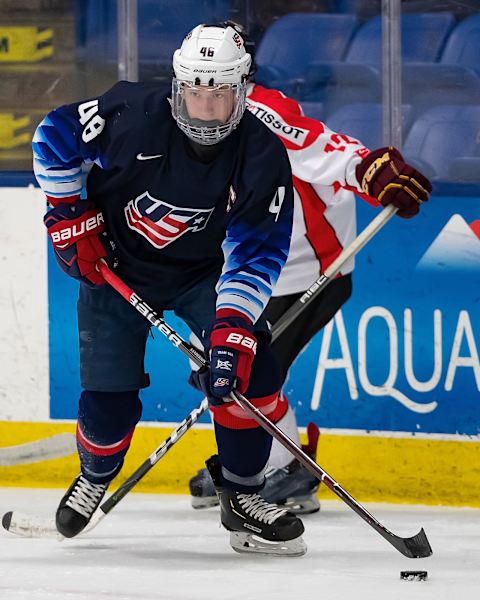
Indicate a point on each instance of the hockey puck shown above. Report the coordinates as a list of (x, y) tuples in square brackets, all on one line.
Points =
[(7, 519), (413, 575)]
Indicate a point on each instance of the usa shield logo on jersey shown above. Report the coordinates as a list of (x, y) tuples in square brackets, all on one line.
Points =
[(161, 223)]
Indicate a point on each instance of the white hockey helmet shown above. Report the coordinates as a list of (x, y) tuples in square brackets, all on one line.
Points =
[(212, 60)]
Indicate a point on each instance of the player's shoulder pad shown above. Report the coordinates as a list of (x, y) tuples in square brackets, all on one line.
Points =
[(265, 158), (276, 98), (137, 99), (261, 140), (284, 117)]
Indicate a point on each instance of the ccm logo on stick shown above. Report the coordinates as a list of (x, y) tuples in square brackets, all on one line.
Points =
[(242, 340)]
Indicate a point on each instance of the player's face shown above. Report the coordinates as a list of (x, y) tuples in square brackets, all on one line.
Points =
[(209, 103)]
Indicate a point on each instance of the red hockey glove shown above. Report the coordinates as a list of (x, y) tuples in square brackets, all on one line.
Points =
[(232, 350), (79, 240), (384, 175)]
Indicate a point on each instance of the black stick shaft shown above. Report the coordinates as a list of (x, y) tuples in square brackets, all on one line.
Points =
[(420, 549), (415, 547), (152, 460)]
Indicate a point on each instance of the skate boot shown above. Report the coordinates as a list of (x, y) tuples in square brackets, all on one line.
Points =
[(292, 487), (78, 505), (256, 526), (202, 490)]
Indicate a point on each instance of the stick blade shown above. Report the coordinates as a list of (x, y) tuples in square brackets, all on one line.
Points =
[(55, 446), (417, 546), (29, 526)]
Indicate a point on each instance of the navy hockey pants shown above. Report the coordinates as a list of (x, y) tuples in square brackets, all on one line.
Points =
[(113, 338)]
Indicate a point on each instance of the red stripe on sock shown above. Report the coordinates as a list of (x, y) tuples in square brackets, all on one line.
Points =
[(99, 450)]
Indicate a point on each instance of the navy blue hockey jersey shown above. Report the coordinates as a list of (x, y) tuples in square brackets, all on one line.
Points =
[(174, 218)]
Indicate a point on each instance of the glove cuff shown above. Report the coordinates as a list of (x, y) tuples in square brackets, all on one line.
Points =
[(231, 313), (64, 200)]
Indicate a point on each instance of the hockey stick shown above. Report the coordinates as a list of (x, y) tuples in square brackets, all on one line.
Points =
[(55, 446), (31, 526), (321, 283), (413, 547), (27, 526), (417, 546)]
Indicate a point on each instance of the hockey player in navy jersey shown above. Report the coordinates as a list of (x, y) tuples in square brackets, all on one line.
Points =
[(191, 201), (328, 168)]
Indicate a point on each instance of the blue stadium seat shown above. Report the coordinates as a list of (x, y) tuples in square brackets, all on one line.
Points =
[(423, 38), (455, 79), (338, 84), (358, 77), (161, 27), (463, 45), (444, 142), (314, 110), (363, 8), (296, 40), (364, 122), (361, 121), (427, 85)]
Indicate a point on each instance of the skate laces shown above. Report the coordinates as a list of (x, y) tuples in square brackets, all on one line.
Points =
[(259, 509), (85, 496)]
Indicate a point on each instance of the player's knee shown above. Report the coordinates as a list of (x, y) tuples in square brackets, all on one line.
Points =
[(105, 418), (106, 422)]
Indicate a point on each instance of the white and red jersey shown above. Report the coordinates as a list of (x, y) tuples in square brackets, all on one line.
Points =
[(323, 165)]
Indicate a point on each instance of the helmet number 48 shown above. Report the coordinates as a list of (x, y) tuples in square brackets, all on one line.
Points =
[(204, 51)]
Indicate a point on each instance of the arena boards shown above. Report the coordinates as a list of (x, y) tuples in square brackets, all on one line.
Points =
[(393, 381)]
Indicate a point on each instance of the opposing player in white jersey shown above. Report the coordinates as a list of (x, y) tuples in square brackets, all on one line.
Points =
[(328, 169)]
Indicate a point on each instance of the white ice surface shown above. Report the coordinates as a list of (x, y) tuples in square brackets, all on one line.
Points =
[(156, 547)]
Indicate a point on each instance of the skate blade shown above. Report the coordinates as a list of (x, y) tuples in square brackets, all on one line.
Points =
[(249, 543), (302, 505), (205, 502)]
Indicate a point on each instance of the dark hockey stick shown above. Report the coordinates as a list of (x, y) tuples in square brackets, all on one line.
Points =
[(152, 460), (321, 283), (32, 526), (413, 547), (417, 546)]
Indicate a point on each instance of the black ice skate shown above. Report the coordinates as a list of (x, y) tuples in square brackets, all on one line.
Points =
[(292, 487), (78, 505), (257, 526)]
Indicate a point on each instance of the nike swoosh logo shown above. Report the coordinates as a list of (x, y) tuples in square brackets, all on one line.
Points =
[(141, 156)]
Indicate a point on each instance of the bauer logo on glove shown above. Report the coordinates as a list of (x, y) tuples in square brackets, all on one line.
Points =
[(80, 227), (79, 240)]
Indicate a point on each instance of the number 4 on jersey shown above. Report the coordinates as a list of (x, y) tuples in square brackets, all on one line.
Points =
[(276, 203)]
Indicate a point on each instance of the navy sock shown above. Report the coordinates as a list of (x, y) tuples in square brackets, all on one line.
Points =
[(243, 454)]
